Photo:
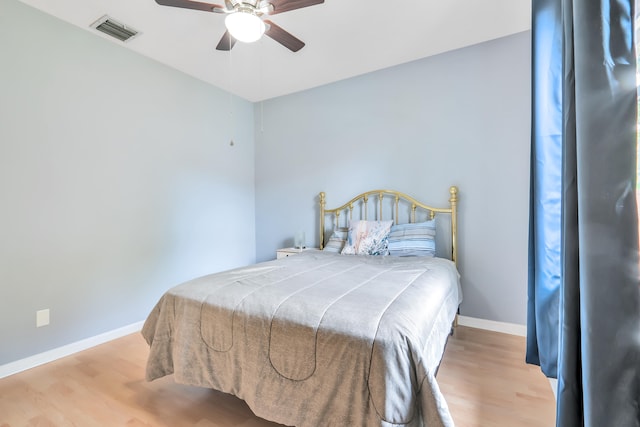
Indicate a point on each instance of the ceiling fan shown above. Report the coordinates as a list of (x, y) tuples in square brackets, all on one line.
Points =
[(245, 21)]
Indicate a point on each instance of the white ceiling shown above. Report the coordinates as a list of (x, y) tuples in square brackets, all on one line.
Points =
[(344, 38)]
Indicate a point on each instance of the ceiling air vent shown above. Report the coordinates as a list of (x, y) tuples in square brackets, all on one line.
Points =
[(113, 28)]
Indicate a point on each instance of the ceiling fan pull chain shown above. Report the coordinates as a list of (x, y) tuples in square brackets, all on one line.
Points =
[(231, 117)]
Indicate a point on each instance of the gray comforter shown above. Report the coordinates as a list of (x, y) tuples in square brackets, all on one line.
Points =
[(315, 339)]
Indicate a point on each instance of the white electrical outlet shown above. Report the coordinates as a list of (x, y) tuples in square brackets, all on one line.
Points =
[(42, 318)]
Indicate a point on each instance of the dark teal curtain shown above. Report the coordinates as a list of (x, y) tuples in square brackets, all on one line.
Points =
[(584, 284)]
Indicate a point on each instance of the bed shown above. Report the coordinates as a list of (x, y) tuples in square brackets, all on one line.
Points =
[(322, 338)]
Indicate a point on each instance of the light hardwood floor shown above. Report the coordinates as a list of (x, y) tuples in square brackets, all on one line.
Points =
[(483, 378)]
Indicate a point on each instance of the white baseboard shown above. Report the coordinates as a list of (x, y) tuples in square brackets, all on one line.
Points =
[(66, 350), (491, 325), (554, 386)]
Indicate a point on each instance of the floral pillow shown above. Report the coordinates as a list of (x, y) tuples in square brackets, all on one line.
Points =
[(367, 238)]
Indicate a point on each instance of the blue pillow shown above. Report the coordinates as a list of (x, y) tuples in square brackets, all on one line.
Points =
[(417, 239), (337, 241)]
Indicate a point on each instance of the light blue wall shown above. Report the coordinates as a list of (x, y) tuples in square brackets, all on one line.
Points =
[(117, 181), (460, 118)]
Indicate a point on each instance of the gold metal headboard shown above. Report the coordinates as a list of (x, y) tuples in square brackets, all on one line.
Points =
[(397, 197)]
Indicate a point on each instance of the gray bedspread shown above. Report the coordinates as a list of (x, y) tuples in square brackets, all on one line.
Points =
[(315, 339)]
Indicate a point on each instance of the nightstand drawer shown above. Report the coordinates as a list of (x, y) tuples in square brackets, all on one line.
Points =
[(286, 252)]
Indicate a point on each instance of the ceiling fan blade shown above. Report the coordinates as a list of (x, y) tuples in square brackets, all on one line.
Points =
[(226, 42), (280, 6), (188, 4), (283, 37)]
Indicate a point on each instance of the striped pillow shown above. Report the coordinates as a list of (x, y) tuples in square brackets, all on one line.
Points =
[(337, 240), (417, 239)]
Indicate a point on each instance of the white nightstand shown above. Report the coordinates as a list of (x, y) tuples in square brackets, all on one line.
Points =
[(285, 252)]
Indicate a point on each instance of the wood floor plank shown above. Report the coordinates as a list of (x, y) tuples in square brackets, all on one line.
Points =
[(483, 378), (486, 382)]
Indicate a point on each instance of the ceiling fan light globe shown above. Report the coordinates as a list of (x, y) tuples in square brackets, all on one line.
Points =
[(244, 26)]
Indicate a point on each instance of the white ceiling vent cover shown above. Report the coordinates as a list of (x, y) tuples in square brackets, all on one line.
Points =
[(115, 29)]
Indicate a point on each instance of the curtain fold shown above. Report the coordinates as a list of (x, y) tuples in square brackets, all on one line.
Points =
[(598, 291), (545, 195)]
